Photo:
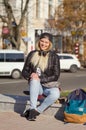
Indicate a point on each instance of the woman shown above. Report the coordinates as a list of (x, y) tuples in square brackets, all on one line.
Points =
[(42, 70)]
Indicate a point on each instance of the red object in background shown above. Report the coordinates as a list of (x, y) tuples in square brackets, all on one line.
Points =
[(31, 48), (5, 30), (77, 49)]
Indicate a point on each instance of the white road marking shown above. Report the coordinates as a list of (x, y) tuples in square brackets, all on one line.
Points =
[(80, 75), (20, 81)]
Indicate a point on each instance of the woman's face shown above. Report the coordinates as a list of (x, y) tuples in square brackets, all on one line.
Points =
[(44, 44)]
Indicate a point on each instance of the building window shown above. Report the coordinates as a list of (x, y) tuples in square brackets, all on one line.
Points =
[(37, 9), (50, 8)]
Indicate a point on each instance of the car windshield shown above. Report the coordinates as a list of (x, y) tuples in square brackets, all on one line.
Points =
[(65, 57)]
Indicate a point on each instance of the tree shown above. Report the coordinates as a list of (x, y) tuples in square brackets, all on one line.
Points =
[(14, 27), (72, 15)]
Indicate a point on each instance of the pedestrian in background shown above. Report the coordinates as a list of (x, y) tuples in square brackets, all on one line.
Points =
[(42, 70)]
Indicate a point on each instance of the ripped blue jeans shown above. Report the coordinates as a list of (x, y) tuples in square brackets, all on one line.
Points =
[(35, 88)]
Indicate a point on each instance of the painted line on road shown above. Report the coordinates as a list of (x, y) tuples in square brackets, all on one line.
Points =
[(12, 82), (81, 75)]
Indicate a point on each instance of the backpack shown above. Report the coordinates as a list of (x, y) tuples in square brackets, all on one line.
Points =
[(75, 107)]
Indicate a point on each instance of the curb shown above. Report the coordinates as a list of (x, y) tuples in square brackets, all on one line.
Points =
[(19, 104)]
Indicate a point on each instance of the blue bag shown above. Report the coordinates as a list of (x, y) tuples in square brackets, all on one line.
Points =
[(75, 107)]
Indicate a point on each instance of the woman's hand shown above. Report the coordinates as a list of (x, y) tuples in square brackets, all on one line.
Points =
[(34, 76)]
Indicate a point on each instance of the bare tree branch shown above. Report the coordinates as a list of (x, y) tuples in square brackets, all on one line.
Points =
[(15, 28), (9, 11), (3, 18), (23, 13)]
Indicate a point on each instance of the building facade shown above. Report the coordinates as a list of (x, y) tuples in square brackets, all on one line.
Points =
[(39, 12)]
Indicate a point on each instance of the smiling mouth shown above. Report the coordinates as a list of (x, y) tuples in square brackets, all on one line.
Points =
[(43, 46)]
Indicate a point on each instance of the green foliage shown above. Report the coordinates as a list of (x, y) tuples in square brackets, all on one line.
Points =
[(65, 93)]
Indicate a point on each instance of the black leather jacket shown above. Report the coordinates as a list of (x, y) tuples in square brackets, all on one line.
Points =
[(52, 72)]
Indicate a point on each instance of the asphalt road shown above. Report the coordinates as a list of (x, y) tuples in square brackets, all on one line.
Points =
[(68, 81)]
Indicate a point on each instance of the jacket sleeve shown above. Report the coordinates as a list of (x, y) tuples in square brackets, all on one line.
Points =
[(27, 69), (55, 71)]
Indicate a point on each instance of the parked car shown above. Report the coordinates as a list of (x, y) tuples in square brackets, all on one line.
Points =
[(69, 62), (11, 63)]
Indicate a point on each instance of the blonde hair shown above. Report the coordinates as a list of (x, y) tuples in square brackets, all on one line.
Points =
[(40, 61)]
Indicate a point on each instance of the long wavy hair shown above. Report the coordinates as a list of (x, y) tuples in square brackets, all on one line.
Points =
[(40, 60)]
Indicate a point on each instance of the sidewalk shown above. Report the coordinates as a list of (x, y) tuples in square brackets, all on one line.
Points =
[(11, 107), (13, 121)]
